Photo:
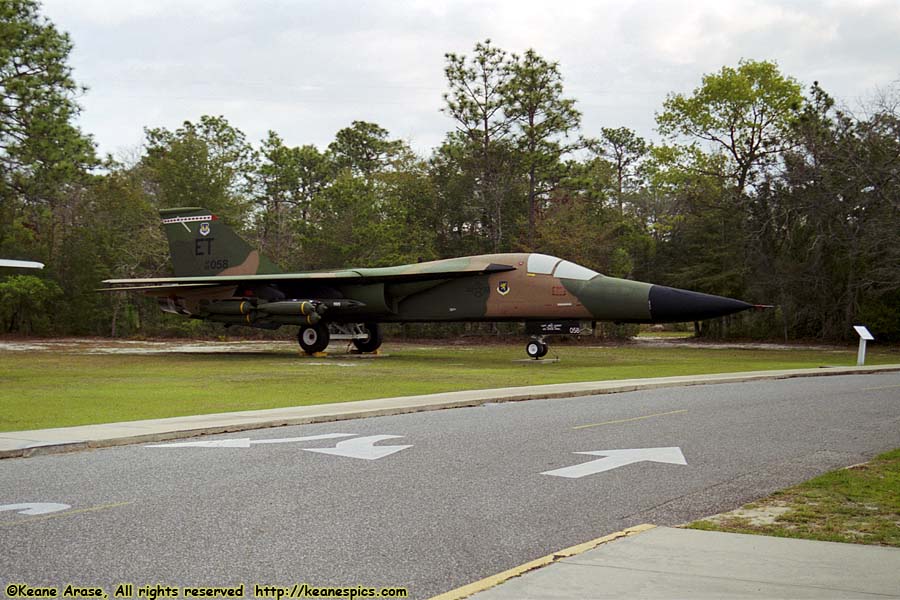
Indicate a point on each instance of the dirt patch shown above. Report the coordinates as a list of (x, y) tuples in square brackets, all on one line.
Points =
[(102, 346), (163, 346), (766, 514), (144, 347), (693, 343)]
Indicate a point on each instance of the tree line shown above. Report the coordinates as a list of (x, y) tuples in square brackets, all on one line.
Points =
[(758, 189)]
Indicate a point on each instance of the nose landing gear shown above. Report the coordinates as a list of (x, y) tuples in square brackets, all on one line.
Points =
[(537, 347)]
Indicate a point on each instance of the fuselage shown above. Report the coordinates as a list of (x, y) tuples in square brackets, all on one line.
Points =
[(537, 287)]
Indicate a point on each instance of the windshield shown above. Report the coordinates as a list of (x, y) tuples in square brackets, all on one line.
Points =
[(569, 270)]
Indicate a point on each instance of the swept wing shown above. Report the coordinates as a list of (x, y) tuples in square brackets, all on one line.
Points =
[(428, 271)]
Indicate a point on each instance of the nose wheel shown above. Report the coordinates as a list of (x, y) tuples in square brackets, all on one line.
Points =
[(536, 348)]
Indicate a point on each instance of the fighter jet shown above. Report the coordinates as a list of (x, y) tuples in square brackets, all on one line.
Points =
[(219, 277)]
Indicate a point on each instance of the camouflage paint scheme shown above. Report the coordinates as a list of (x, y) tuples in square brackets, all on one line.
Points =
[(218, 276)]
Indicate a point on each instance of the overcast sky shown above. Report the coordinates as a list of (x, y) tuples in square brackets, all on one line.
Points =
[(305, 69)]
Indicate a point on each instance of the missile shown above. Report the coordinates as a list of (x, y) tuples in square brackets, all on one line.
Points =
[(307, 311), (229, 307), (296, 312), (310, 311)]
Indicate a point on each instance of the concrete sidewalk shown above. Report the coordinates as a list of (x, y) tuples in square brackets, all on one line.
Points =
[(27, 443), (684, 563)]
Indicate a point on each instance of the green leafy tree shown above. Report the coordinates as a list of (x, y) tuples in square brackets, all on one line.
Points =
[(364, 148), (830, 223), (588, 233), (700, 234), (41, 150), (26, 302), (289, 181), (409, 199), (581, 225), (376, 209), (625, 150), (115, 233), (476, 102), (344, 226), (458, 220), (736, 125), (533, 100), (744, 112), (207, 164)]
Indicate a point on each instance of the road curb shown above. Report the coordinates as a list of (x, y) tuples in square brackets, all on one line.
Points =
[(21, 444), (495, 580)]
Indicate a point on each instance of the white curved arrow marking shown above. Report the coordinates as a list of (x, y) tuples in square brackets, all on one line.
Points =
[(619, 458), (363, 447), (35, 508), (247, 442)]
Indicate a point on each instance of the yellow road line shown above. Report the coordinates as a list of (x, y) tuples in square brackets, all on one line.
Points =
[(77, 511), (494, 580), (884, 387), (671, 412)]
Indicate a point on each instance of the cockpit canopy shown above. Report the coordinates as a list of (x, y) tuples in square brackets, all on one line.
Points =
[(564, 269)]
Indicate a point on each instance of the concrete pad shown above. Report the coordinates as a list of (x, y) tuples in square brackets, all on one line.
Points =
[(686, 563), (571, 582)]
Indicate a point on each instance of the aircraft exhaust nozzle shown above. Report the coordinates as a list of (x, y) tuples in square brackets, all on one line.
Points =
[(672, 305)]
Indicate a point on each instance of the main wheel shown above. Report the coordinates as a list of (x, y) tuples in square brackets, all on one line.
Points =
[(373, 341), (533, 349), (545, 347), (314, 338)]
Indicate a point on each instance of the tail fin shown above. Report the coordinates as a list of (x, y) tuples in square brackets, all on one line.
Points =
[(201, 244)]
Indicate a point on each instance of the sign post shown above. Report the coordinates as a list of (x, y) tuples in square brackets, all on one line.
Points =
[(864, 336)]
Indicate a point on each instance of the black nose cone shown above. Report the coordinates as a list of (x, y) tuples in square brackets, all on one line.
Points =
[(671, 305)]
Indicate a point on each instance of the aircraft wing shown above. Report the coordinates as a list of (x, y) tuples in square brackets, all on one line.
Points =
[(435, 270), (21, 264), (151, 286)]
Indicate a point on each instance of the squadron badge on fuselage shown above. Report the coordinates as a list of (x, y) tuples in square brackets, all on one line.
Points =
[(503, 288)]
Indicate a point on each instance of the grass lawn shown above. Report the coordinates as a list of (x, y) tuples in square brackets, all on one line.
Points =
[(859, 505), (42, 388)]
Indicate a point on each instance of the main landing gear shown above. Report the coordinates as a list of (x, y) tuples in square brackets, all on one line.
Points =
[(314, 338), (372, 338), (366, 337), (537, 348)]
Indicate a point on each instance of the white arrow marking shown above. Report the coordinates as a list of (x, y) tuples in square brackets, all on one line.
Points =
[(619, 458), (363, 447), (309, 438), (247, 442), (35, 508)]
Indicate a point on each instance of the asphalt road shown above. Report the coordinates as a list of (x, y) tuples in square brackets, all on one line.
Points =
[(468, 498)]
